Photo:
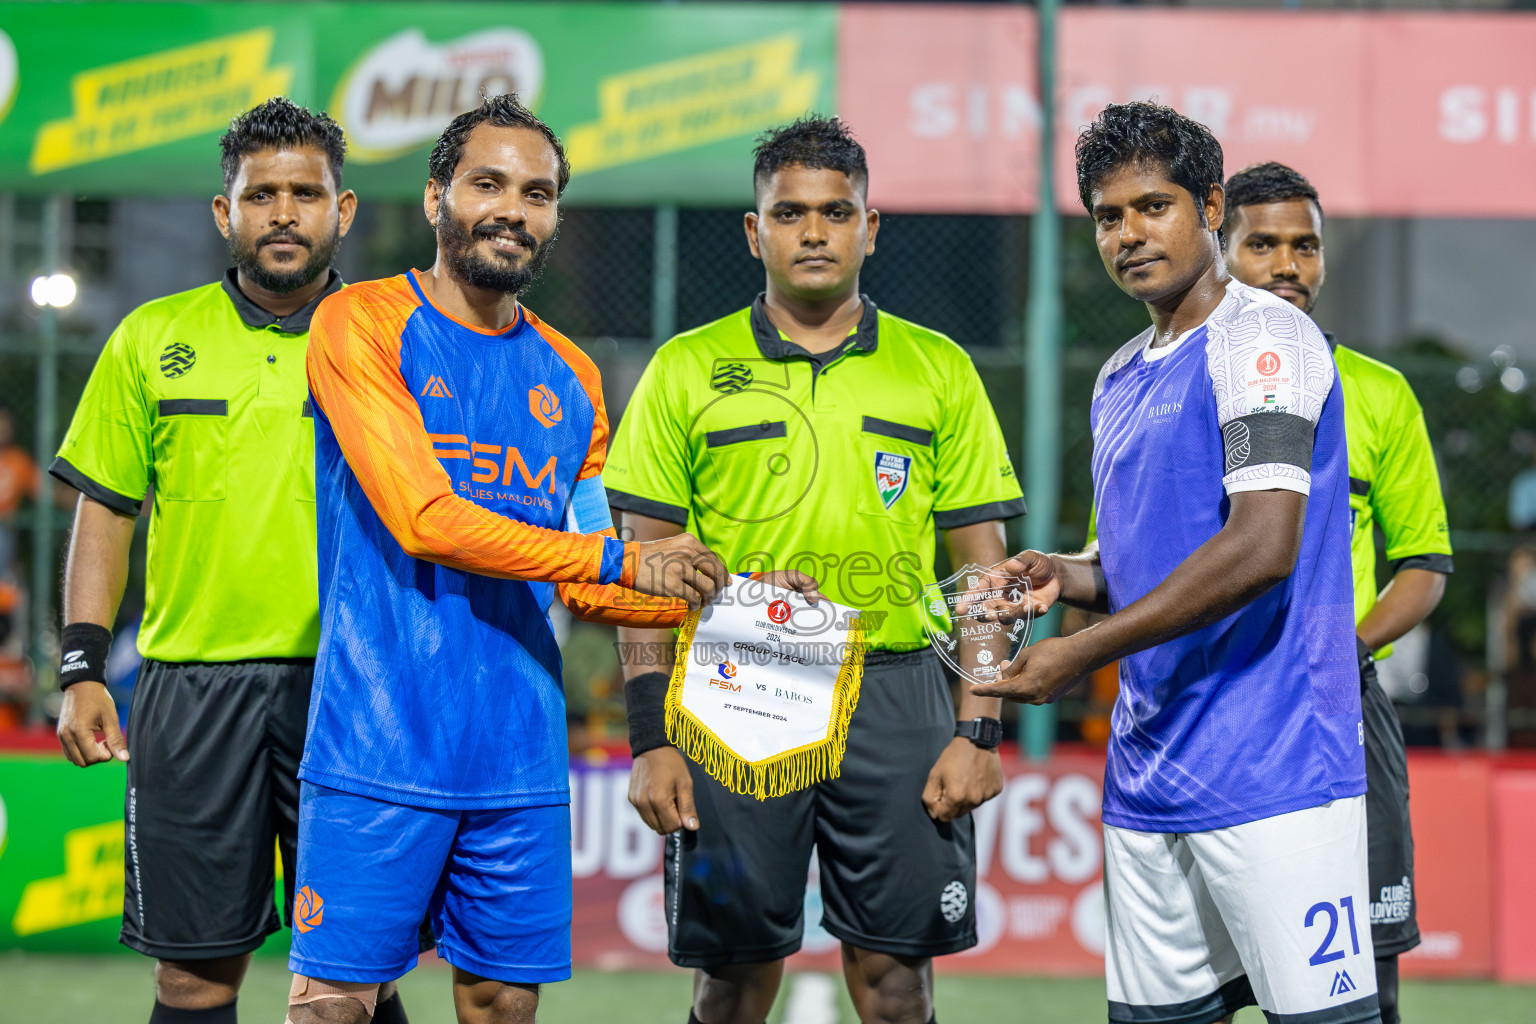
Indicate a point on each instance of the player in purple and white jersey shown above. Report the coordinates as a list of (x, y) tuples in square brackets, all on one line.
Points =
[(1234, 839)]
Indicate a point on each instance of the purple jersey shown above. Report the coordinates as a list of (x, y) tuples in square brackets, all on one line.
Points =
[(1257, 714)]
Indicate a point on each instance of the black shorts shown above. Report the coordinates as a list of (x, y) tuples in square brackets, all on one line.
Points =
[(213, 787), (893, 880), (1394, 917)]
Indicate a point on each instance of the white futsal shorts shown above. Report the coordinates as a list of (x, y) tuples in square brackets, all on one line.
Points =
[(1273, 912)]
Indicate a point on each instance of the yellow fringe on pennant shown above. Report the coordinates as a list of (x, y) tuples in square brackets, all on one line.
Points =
[(781, 774)]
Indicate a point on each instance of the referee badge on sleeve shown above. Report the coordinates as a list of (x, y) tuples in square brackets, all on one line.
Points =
[(891, 475)]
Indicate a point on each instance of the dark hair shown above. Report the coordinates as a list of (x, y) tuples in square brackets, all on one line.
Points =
[(1129, 133), (503, 111), (821, 143), (1266, 183), (280, 123)]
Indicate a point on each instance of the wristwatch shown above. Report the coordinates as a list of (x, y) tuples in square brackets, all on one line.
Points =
[(986, 733)]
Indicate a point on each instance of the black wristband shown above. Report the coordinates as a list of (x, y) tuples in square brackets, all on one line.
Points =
[(83, 650), (645, 699)]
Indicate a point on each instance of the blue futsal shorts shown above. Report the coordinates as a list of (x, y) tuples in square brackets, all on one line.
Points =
[(494, 884)]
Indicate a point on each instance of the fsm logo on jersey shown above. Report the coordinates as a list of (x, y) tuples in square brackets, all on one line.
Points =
[(544, 405)]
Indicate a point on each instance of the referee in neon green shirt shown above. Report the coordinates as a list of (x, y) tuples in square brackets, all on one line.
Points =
[(201, 397), (1273, 236), (814, 431)]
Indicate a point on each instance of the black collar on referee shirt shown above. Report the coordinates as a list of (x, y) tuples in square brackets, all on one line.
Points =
[(1333, 342), (296, 322), (774, 345)]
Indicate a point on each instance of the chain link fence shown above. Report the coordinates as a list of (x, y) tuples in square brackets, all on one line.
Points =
[(963, 275)]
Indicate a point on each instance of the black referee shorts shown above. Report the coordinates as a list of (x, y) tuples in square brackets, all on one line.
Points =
[(893, 880), (1394, 909), (213, 787)]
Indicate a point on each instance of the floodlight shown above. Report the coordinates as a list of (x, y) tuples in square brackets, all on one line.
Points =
[(56, 290)]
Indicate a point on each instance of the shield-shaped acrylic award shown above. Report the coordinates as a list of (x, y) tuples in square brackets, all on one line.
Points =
[(978, 619)]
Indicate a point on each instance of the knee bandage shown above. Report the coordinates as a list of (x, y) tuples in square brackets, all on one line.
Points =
[(312, 990)]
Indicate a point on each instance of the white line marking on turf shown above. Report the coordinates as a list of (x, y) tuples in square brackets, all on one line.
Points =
[(812, 1000)]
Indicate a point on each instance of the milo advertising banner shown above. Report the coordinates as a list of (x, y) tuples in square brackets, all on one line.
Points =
[(61, 854), (654, 102)]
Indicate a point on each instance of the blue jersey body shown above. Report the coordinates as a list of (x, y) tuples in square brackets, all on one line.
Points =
[(438, 687), (1257, 714)]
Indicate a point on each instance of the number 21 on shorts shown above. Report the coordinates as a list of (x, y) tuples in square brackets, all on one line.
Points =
[(1325, 954)]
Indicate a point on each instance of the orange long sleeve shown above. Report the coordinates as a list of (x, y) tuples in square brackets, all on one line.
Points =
[(615, 605), (354, 376)]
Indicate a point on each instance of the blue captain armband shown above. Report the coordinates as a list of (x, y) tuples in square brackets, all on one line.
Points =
[(587, 511)]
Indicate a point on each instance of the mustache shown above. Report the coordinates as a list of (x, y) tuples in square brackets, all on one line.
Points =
[(1285, 282), (282, 235), (521, 235)]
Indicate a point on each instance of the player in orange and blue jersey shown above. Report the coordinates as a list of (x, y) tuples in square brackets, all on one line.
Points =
[(459, 447)]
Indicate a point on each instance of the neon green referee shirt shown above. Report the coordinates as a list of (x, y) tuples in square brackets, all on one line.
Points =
[(1393, 481), (202, 396), (842, 464)]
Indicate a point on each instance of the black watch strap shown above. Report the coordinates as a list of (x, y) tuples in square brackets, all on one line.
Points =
[(986, 733)]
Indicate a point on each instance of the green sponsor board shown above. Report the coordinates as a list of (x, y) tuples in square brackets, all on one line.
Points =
[(655, 102), (61, 856)]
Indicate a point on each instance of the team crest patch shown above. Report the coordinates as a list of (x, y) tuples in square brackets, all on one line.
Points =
[(177, 359), (891, 475), (544, 404), (730, 378), (308, 909)]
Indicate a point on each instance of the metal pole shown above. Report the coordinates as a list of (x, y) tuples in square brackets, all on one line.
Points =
[(41, 599), (1496, 698), (1042, 371), (664, 278)]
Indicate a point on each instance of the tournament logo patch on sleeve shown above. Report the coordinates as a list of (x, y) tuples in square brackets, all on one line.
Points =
[(891, 475)]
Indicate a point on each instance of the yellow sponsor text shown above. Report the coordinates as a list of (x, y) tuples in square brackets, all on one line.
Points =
[(90, 889), (696, 100), (149, 101)]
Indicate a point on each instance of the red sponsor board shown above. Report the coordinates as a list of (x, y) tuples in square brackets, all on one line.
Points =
[(1039, 896), (1514, 836), (1449, 800), (1452, 126), (1270, 88), (944, 101), (1428, 114)]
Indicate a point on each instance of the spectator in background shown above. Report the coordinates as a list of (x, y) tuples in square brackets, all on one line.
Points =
[(1522, 497), (18, 479), (1520, 639)]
